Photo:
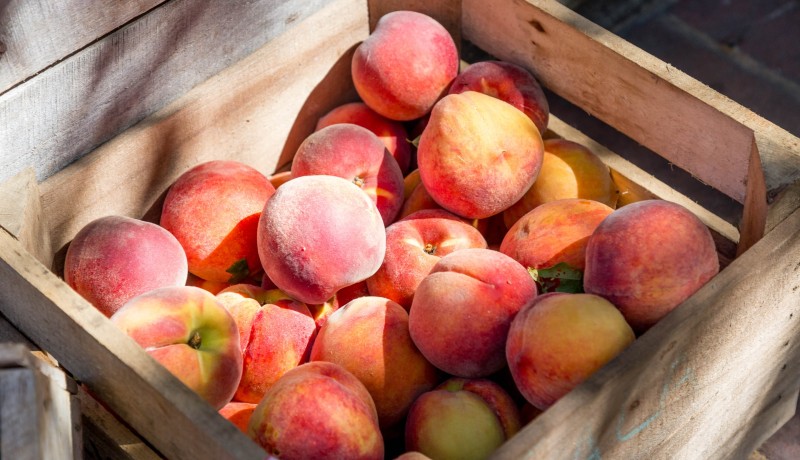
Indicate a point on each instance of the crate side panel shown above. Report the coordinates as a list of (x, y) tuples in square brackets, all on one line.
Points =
[(689, 386), (652, 102), (35, 34), (111, 364), (74, 106), (257, 111)]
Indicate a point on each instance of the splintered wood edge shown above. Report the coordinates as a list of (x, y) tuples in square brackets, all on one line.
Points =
[(697, 384)]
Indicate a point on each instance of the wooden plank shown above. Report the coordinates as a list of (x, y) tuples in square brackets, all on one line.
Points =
[(257, 111), (691, 386), (650, 101), (59, 115), (20, 415), (111, 364), (37, 33), (21, 214), (582, 69), (104, 436)]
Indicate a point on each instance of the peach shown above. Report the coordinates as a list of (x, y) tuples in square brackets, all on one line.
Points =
[(318, 234), (509, 83), (569, 170), (552, 233), (560, 340), (413, 246), (410, 182), (275, 332), (405, 65), (211, 286), (115, 258), (478, 155), (418, 200), (461, 419), (238, 413), (352, 292), (279, 178), (317, 410), (213, 210), (648, 257), (191, 334), (462, 310), (353, 153), (369, 337), (392, 133)]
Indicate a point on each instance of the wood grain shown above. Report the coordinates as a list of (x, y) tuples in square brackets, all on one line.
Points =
[(698, 384), (257, 111), (59, 115), (57, 319), (21, 214), (37, 33)]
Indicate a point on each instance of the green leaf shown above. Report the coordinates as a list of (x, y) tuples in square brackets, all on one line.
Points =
[(239, 271), (414, 142), (561, 277)]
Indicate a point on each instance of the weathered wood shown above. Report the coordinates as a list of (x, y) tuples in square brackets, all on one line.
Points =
[(59, 115), (257, 111), (105, 437), (111, 364), (697, 384), (38, 417), (21, 214), (655, 104), (37, 33)]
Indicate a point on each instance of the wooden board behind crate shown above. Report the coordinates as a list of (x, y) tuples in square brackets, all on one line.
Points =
[(59, 115), (35, 34)]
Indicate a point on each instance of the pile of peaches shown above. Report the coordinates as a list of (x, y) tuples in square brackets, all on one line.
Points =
[(390, 298)]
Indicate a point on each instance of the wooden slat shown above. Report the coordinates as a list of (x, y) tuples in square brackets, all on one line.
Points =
[(38, 33), (59, 115), (133, 385), (257, 111), (698, 384), (21, 214)]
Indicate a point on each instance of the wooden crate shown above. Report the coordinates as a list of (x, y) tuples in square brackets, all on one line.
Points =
[(117, 102), (40, 416)]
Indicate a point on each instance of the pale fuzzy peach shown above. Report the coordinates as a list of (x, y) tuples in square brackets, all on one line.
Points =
[(213, 211), (554, 232), (238, 413), (508, 82), (275, 331), (560, 341), (456, 420), (462, 310), (191, 334), (648, 257), (569, 170), (115, 258), (369, 337), (478, 155), (413, 246), (318, 234), (355, 154), (405, 65), (317, 410), (392, 133)]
